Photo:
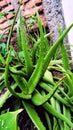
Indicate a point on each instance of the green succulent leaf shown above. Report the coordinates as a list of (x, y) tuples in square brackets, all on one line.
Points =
[(55, 113), (36, 75), (24, 44), (65, 59), (8, 121), (34, 116), (39, 99), (53, 48)]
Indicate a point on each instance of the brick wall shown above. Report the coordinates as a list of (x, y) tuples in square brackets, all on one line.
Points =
[(28, 9)]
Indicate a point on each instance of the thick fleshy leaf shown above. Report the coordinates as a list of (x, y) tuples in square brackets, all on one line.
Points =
[(37, 73), (25, 48), (53, 49), (8, 121), (34, 116), (39, 99), (58, 115), (6, 95), (11, 29)]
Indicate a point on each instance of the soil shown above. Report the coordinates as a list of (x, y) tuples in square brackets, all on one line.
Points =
[(25, 123)]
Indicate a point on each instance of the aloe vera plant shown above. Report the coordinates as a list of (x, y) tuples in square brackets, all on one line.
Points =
[(33, 83)]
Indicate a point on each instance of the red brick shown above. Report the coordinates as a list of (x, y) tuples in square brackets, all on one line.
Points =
[(32, 11), (3, 20), (43, 20), (29, 12), (8, 1), (3, 3), (24, 1), (42, 17), (8, 8), (4, 25), (38, 1), (32, 3), (45, 24), (28, 6), (9, 16), (15, 26), (5, 31), (34, 27), (40, 8)]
